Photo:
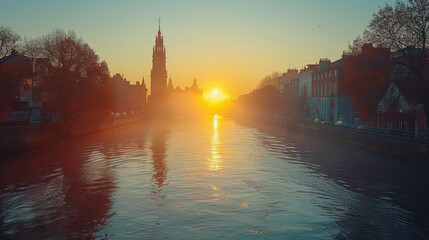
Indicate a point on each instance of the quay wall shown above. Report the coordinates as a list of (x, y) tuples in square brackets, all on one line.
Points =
[(415, 150), (30, 137)]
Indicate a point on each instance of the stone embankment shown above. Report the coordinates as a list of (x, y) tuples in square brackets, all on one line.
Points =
[(30, 137), (402, 147)]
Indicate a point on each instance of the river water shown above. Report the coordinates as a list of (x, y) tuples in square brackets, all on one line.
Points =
[(211, 179)]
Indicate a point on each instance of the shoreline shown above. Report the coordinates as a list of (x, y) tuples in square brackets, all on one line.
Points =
[(34, 142), (402, 149)]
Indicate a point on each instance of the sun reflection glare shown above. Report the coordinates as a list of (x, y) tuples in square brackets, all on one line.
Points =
[(215, 162)]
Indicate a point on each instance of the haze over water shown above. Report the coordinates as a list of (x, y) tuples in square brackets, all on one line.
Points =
[(213, 179)]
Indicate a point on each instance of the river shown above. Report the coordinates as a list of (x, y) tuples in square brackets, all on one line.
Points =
[(210, 179)]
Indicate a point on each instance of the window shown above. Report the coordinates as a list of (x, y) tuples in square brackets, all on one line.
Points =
[(426, 123), (335, 72), (330, 73), (326, 75), (401, 124)]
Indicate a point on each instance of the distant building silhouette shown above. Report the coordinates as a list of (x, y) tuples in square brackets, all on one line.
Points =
[(194, 88), (127, 97), (159, 71), (170, 86)]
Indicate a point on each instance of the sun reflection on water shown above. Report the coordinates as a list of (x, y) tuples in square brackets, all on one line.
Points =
[(215, 162)]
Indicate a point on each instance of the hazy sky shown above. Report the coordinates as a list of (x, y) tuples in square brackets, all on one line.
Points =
[(228, 44)]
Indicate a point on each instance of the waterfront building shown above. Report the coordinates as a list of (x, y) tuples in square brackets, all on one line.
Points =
[(305, 86), (21, 92), (128, 98), (328, 102), (295, 97), (287, 78), (400, 109)]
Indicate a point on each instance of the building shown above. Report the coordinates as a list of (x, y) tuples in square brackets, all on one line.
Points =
[(400, 109), (295, 97), (194, 88), (328, 102), (128, 98), (158, 76), (305, 86), (20, 89), (287, 78)]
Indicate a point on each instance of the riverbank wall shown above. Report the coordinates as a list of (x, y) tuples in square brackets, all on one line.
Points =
[(400, 147), (15, 139)]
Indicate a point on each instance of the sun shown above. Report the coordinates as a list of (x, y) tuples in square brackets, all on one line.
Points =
[(215, 95)]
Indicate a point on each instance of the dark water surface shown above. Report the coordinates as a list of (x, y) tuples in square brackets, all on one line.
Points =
[(213, 179)]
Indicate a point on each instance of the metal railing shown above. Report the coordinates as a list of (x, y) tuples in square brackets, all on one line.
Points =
[(358, 129)]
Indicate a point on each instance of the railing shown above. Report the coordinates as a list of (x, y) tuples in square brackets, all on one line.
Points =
[(380, 132)]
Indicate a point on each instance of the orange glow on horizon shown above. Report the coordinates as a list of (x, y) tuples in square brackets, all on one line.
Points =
[(215, 95)]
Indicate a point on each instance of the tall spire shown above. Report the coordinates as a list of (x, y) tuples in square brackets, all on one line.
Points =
[(159, 71)]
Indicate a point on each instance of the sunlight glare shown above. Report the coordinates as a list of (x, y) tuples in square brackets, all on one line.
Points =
[(215, 95)]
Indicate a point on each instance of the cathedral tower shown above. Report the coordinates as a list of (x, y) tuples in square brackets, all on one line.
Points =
[(158, 75)]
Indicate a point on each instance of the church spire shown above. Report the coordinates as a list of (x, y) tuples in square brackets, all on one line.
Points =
[(159, 71)]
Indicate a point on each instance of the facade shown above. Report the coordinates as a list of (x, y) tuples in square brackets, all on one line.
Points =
[(400, 109), (21, 95), (305, 86), (407, 85), (295, 97), (158, 76), (287, 78), (328, 102)]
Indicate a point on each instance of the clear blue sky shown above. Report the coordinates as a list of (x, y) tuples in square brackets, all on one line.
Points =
[(228, 44)]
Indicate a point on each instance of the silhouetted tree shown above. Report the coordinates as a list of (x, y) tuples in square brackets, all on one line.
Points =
[(76, 81), (270, 80), (8, 40), (262, 101), (366, 79), (355, 48), (404, 28)]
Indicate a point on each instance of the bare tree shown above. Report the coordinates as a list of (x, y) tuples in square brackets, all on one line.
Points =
[(404, 28), (355, 48), (8, 40), (76, 80), (268, 80)]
